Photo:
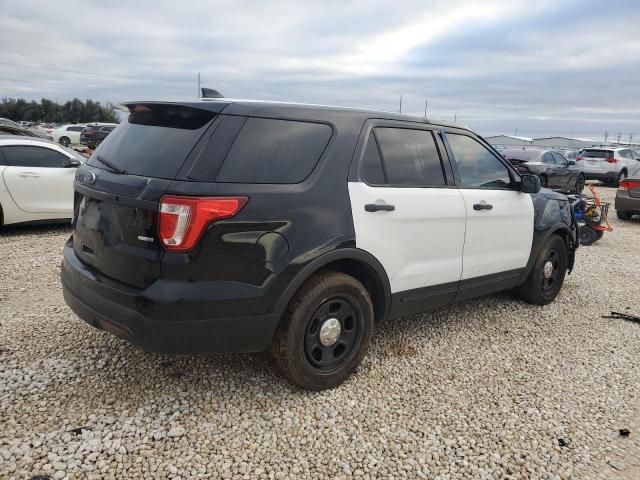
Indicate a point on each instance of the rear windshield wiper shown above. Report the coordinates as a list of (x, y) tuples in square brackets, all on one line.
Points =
[(106, 162)]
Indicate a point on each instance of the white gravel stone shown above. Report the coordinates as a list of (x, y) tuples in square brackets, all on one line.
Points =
[(481, 390)]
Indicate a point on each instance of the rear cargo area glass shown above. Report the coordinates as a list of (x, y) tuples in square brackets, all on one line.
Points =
[(597, 153), (155, 139)]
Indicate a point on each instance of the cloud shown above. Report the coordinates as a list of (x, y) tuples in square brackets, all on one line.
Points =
[(540, 66)]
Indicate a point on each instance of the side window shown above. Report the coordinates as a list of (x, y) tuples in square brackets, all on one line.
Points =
[(410, 157), (75, 129), (372, 169), (548, 158), (27, 156), (625, 154), (477, 166), (274, 151), (560, 160)]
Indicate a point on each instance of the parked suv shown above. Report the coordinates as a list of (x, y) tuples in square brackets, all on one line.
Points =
[(239, 226), (93, 135), (610, 165)]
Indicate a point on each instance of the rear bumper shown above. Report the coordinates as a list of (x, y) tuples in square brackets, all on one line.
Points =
[(626, 203), (604, 176), (121, 310)]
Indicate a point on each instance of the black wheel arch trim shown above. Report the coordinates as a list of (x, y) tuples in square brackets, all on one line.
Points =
[(542, 237), (325, 259)]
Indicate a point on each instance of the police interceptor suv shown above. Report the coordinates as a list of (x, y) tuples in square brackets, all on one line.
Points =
[(243, 226)]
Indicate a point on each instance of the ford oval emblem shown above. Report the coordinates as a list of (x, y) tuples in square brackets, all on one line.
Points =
[(85, 177)]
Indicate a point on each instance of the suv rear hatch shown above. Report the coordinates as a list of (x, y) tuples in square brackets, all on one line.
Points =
[(596, 159), (118, 191)]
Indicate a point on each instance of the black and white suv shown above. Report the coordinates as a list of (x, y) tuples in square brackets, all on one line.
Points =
[(217, 226)]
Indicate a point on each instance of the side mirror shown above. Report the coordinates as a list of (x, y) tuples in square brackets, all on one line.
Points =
[(73, 163), (571, 162), (529, 183)]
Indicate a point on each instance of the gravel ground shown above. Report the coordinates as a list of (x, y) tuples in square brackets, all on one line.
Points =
[(492, 388)]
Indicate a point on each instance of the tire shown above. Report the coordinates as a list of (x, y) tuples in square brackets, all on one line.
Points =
[(579, 186), (538, 288), (623, 215), (297, 347), (621, 176), (543, 181), (588, 235), (64, 141), (599, 234)]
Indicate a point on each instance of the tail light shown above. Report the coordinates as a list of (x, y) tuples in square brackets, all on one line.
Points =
[(612, 159), (182, 220), (578, 158), (626, 185)]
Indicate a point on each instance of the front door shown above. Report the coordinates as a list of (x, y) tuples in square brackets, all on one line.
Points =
[(37, 179), (407, 216), (499, 229)]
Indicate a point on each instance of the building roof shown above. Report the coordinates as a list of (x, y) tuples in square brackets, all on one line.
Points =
[(515, 137)]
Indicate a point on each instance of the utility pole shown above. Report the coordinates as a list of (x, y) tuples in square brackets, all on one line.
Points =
[(455, 118), (425, 107), (400, 103), (199, 91), (630, 138), (619, 135), (516, 131), (606, 135)]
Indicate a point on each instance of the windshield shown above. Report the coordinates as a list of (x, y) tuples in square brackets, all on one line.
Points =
[(155, 140)]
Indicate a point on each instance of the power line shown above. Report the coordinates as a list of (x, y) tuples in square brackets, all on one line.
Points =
[(84, 72)]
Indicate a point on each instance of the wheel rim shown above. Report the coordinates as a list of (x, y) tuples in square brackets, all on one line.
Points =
[(332, 333), (622, 176), (580, 184), (65, 142), (550, 270)]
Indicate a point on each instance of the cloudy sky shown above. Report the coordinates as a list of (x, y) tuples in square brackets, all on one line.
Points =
[(541, 67)]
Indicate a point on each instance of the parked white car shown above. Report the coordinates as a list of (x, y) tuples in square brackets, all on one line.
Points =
[(67, 134), (36, 180)]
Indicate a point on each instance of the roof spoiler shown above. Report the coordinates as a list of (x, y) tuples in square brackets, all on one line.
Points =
[(210, 93)]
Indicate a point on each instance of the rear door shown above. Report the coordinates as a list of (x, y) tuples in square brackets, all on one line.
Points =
[(407, 216), (499, 228), (595, 160), (38, 179)]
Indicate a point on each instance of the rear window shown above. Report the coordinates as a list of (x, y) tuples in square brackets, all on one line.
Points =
[(274, 151), (521, 155), (597, 153), (155, 140)]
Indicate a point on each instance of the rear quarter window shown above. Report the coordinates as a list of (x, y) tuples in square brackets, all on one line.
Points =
[(274, 151)]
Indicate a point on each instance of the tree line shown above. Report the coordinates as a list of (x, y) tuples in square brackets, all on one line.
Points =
[(72, 111)]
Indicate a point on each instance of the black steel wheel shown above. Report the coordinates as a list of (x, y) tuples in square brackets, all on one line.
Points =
[(332, 333), (325, 332), (550, 270)]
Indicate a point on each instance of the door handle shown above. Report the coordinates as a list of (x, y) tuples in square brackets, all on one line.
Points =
[(482, 206), (374, 207), (28, 174)]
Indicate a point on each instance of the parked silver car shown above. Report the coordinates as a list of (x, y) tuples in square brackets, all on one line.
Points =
[(610, 165)]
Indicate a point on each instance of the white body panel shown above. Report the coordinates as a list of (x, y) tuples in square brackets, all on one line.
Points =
[(40, 190), (500, 239), (29, 194), (421, 242)]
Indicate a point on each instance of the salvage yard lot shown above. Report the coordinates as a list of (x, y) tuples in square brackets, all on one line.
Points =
[(486, 389)]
